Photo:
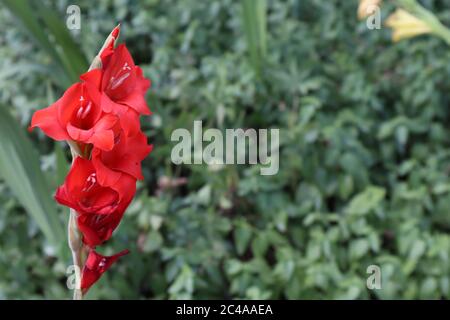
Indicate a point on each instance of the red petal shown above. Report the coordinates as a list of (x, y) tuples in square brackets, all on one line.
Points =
[(144, 83), (47, 120), (120, 74), (105, 175), (126, 157), (94, 77), (98, 228), (103, 139), (68, 103), (136, 151), (136, 100), (62, 197), (70, 191), (101, 135), (129, 118), (76, 179)]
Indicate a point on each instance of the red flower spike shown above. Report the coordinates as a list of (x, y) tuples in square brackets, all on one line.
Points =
[(95, 266), (100, 115)]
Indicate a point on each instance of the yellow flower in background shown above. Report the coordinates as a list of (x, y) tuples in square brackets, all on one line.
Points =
[(405, 25), (366, 8)]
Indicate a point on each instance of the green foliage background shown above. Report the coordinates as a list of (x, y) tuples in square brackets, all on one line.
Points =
[(364, 158)]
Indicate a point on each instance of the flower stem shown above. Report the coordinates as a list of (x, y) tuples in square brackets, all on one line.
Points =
[(76, 246), (75, 237)]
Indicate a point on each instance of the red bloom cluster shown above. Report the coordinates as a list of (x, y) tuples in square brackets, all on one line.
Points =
[(100, 115)]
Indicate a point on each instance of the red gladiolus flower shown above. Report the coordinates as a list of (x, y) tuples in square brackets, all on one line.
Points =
[(123, 81), (123, 86), (99, 207), (95, 266), (101, 115), (82, 192), (98, 228), (78, 116)]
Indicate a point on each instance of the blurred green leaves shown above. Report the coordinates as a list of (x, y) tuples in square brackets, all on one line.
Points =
[(364, 162), (255, 29), (20, 168), (19, 161), (48, 31), (366, 201)]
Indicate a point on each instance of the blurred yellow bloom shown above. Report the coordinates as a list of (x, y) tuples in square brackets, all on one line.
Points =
[(366, 8), (405, 25)]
